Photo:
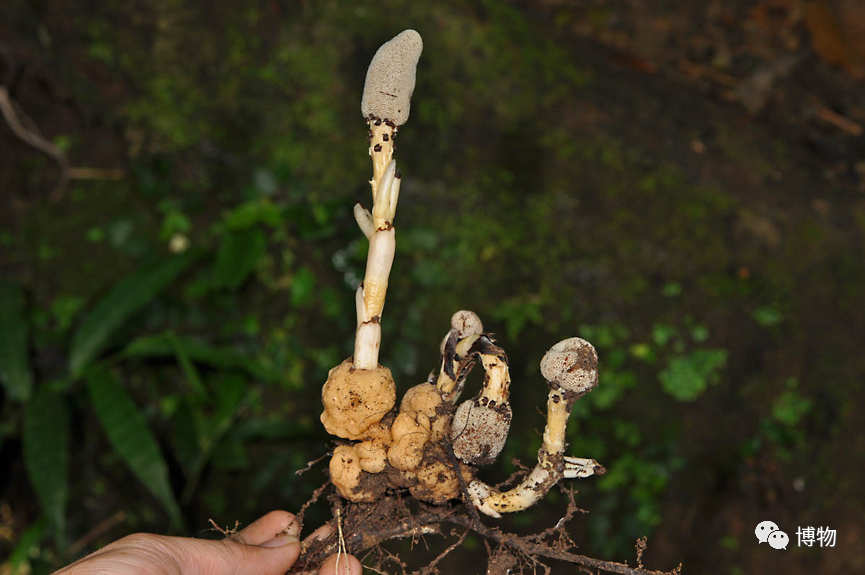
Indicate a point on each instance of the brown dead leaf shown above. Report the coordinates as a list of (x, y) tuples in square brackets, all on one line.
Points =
[(837, 30)]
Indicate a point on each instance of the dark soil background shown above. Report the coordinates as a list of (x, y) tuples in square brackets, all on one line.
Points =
[(681, 183)]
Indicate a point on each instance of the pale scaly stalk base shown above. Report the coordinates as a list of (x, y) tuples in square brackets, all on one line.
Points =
[(377, 226), (551, 468)]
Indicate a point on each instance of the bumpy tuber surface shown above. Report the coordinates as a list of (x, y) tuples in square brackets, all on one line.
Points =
[(409, 439), (356, 399), (423, 402), (437, 483), (346, 474), (417, 423)]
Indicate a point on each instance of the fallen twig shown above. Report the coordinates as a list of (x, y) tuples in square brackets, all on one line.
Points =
[(26, 130), (844, 124), (16, 118)]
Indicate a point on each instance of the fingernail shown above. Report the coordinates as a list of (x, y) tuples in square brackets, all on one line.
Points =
[(280, 540), (323, 532)]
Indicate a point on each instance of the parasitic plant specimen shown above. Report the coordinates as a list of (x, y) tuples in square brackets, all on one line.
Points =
[(411, 445), (427, 444)]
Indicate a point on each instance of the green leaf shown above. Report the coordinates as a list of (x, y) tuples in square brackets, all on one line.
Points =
[(272, 428), (64, 309), (790, 407), (238, 256), (230, 455), (687, 377), (302, 286), (767, 316), (643, 351), (671, 289), (231, 400), (46, 455), (174, 222), (161, 345), (15, 371), (254, 213), (616, 383), (417, 239), (699, 333), (429, 273), (19, 558), (128, 296), (186, 365), (131, 438), (518, 312), (662, 334), (187, 421)]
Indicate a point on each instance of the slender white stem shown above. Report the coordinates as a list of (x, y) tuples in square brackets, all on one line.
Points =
[(367, 344)]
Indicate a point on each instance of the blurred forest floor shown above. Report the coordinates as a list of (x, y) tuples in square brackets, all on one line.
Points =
[(683, 184)]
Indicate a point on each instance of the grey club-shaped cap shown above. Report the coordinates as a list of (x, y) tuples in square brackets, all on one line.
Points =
[(390, 79)]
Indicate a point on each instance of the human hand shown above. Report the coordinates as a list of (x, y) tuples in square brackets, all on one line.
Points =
[(270, 545)]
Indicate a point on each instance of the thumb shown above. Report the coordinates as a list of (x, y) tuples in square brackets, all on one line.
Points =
[(230, 556), (251, 559)]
